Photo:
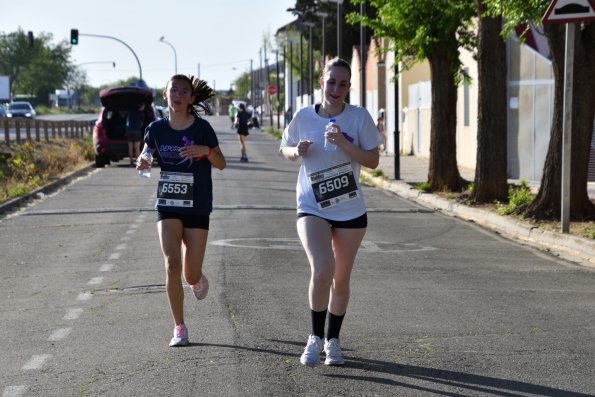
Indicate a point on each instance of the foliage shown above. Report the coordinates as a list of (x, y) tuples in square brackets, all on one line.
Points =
[(517, 12), (423, 186), (517, 196), (589, 232), (27, 166), (274, 132), (378, 173), (416, 27), (350, 35), (36, 70)]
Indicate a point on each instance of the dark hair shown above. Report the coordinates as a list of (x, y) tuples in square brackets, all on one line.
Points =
[(337, 62), (242, 106), (200, 90)]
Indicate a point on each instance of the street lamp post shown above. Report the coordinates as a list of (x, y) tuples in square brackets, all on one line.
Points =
[(362, 46), (310, 25), (162, 39), (323, 15), (339, 2)]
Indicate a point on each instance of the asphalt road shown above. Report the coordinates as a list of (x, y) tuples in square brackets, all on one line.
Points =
[(438, 306)]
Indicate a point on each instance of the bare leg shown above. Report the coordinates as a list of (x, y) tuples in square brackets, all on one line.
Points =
[(315, 235), (131, 151), (170, 236), (242, 143), (195, 244), (136, 150), (346, 243)]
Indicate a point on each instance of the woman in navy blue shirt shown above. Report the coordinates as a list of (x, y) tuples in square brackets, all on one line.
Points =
[(187, 148)]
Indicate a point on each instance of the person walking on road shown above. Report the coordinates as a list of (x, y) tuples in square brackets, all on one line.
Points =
[(187, 148), (232, 114), (243, 122), (134, 135), (331, 213)]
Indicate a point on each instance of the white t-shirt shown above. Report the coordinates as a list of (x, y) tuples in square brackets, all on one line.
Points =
[(328, 182)]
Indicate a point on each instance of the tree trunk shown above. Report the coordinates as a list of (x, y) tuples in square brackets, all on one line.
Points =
[(490, 170), (443, 173), (547, 203)]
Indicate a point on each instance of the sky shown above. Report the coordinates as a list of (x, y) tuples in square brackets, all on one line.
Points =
[(219, 35)]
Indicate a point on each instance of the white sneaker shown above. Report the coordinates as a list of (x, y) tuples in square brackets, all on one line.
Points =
[(332, 348), (311, 354), (180, 336), (201, 288)]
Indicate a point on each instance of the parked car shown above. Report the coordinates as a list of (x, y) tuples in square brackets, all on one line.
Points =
[(161, 112), (109, 138), (21, 109), (2, 111)]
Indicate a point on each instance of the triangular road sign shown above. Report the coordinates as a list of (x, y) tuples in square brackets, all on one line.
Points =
[(566, 11)]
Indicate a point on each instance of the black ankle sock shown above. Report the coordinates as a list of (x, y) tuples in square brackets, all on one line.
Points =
[(318, 320), (334, 325)]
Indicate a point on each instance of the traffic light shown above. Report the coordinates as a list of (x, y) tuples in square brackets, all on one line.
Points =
[(74, 36), (30, 38)]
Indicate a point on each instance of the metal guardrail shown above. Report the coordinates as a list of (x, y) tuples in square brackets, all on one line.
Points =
[(17, 130)]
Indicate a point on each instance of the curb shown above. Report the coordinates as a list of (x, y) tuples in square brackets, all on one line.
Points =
[(576, 249), (48, 188)]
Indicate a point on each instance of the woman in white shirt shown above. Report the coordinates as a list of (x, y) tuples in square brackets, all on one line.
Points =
[(331, 213)]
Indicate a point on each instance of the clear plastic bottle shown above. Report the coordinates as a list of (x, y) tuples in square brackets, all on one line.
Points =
[(328, 145), (146, 173)]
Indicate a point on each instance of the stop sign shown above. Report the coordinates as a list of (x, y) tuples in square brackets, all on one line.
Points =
[(272, 89)]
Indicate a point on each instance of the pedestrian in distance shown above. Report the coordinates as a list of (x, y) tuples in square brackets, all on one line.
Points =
[(232, 114), (381, 129), (331, 213), (243, 122), (254, 115), (134, 135), (188, 149)]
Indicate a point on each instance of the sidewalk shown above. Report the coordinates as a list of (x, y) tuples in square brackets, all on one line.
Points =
[(414, 169)]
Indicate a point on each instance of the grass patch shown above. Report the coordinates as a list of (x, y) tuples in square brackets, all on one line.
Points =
[(423, 186), (274, 132), (589, 232), (517, 196), (378, 173), (30, 165)]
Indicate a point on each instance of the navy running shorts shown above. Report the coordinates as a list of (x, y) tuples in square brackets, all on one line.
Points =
[(361, 222), (189, 221)]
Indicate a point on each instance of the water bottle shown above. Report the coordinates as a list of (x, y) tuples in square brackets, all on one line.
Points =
[(328, 145), (146, 173)]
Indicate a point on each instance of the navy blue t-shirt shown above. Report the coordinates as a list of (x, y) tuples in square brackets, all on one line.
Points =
[(159, 135)]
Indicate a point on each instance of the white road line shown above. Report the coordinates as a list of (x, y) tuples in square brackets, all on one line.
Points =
[(115, 255), (59, 334), (73, 314), (130, 231), (106, 267), (36, 361), (14, 391), (84, 296), (121, 247), (133, 226), (95, 281), (125, 238)]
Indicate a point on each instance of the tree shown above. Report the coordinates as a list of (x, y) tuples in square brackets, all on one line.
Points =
[(306, 10), (432, 30), (546, 204), (491, 161), (38, 70)]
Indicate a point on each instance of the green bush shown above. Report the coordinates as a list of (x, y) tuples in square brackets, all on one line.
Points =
[(517, 196), (423, 186), (377, 173)]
